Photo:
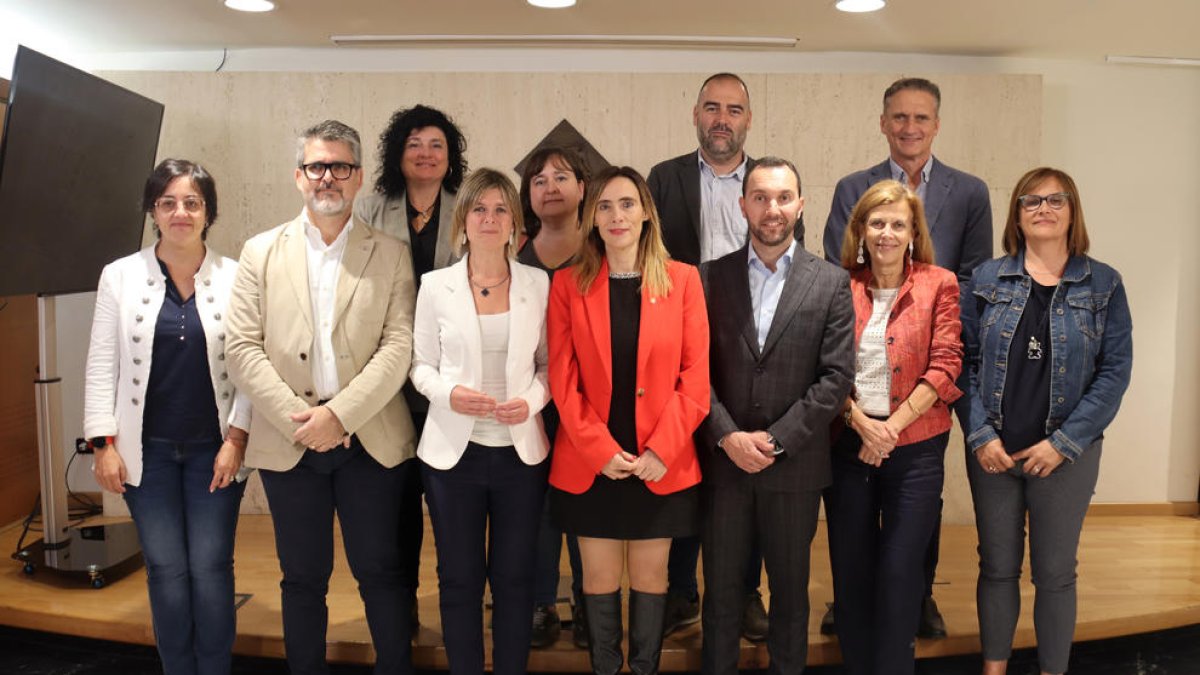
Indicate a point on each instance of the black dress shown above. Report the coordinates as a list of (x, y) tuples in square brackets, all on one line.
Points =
[(625, 509)]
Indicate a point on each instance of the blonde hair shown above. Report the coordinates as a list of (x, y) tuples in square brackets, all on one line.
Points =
[(652, 255), (881, 194), (479, 182)]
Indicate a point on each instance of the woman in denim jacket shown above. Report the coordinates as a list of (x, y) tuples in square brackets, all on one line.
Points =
[(1049, 341)]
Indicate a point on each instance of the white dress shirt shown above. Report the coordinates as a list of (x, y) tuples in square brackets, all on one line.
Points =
[(324, 266), (723, 227), (766, 287)]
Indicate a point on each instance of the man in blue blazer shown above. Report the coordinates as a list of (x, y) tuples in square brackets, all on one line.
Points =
[(959, 214)]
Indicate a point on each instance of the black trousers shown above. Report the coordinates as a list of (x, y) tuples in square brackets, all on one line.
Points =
[(366, 498), (733, 517)]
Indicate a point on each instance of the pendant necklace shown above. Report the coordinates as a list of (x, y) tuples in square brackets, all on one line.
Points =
[(486, 290), (1034, 351)]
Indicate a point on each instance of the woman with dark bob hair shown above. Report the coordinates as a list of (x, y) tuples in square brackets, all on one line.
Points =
[(421, 166), (163, 419), (552, 189), (628, 335), (889, 453), (1051, 350)]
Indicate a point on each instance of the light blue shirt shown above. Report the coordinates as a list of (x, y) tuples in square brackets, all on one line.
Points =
[(765, 289), (898, 174), (722, 225)]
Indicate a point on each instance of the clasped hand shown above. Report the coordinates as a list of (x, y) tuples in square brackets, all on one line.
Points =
[(467, 401), (750, 451), (646, 466), (320, 429), (878, 440)]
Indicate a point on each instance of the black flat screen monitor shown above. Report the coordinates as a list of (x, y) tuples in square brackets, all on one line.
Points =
[(73, 163)]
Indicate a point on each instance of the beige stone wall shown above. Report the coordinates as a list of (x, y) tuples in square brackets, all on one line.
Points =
[(242, 126)]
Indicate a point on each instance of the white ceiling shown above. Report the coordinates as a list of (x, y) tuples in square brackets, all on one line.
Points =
[(1073, 29)]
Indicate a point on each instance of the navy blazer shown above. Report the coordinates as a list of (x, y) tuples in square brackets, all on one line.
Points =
[(675, 186), (957, 209)]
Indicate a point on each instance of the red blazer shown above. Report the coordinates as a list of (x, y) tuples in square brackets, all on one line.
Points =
[(672, 378), (923, 341)]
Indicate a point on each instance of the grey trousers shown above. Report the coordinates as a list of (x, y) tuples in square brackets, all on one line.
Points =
[(1055, 506)]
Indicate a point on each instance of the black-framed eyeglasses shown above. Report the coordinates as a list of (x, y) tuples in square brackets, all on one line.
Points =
[(1034, 202), (169, 204), (339, 170)]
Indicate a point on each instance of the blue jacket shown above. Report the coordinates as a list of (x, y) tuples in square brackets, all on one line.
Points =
[(1091, 348)]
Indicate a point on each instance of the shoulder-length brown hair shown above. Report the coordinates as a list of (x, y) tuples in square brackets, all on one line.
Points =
[(479, 182), (1077, 236), (652, 253), (880, 194)]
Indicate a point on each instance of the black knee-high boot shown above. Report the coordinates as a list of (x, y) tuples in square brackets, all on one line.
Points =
[(646, 614), (604, 630)]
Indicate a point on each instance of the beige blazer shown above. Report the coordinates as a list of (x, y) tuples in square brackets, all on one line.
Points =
[(390, 215), (270, 335), (447, 352)]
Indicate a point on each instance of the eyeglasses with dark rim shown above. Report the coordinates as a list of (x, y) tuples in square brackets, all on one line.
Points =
[(169, 204), (1034, 202), (339, 170)]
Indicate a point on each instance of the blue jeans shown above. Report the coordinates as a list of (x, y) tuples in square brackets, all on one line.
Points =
[(186, 534), (485, 512), (880, 520)]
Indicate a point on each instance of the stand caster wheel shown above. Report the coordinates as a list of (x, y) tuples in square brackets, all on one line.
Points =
[(98, 582), (28, 569)]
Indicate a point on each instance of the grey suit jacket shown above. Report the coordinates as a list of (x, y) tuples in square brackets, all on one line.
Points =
[(794, 386), (270, 335), (957, 209), (390, 216)]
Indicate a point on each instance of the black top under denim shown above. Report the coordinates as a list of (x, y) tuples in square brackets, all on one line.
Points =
[(1027, 389), (180, 404)]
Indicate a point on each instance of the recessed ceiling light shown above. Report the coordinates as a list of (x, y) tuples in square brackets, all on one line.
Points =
[(551, 4), (859, 6), (250, 5)]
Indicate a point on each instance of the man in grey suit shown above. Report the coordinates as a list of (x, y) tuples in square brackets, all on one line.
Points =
[(781, 322), (696, 195), (320, 338), (959, 214)]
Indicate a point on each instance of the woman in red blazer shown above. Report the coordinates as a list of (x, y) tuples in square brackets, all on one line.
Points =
[(628, 335), (888, 460)]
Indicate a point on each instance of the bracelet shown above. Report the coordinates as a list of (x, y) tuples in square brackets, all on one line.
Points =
[(912, 407)]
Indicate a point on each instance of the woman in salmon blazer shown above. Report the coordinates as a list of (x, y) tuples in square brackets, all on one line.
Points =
[(628, 335)]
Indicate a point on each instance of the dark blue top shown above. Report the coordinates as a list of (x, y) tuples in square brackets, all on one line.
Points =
[(180, 404), (1027, 389)]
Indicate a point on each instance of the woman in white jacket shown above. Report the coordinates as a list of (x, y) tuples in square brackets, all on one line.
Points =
[(479, 355), (164, 421)]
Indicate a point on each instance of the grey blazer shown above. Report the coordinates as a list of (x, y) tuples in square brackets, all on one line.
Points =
[(795, 386), (390, 215), (957, 209)]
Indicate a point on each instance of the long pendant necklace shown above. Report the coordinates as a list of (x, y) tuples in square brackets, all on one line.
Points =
[(1034, 351)]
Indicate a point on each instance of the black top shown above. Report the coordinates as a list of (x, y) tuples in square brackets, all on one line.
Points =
[(424, 243), (1026, 401), (625, 312), (527, 256), (180, 404)]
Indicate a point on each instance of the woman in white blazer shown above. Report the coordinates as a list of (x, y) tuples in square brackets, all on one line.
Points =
[(164, 421), (479, 356)]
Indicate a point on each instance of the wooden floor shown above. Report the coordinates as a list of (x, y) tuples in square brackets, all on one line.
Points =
[(1136, 574)]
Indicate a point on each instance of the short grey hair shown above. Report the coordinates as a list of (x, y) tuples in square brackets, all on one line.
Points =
[(329, 131)]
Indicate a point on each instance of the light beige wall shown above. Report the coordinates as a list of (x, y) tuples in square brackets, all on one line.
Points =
[(1130, 135)]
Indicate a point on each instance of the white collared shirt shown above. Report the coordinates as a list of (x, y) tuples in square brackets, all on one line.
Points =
[(722, 225), (766, 287), (324, 266)]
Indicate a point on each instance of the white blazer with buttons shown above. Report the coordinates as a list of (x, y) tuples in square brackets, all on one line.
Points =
[(128, 301), (447, 352)]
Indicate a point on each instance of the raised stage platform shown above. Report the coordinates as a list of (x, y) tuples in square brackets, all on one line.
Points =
[(1137, 574)]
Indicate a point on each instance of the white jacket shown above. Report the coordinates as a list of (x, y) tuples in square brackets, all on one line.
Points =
[(447, 351), (128, 301)]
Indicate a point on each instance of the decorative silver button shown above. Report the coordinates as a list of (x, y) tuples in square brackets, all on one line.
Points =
[(135, 401), (221, 336), (221, 356), (224, 376), (145, 301), (207, 282), (137, 338), (136, 381), (138, 318), (224, 396), (217, 316), (137, 362), (150, 282), (210, 298)]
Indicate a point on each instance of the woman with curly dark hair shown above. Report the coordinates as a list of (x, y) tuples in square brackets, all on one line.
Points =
[(421, 166)]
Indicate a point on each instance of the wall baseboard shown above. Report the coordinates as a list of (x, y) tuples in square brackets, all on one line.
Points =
[(1153, 509)]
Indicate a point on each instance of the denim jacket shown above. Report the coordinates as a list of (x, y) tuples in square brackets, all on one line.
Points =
[(1091, 349)]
